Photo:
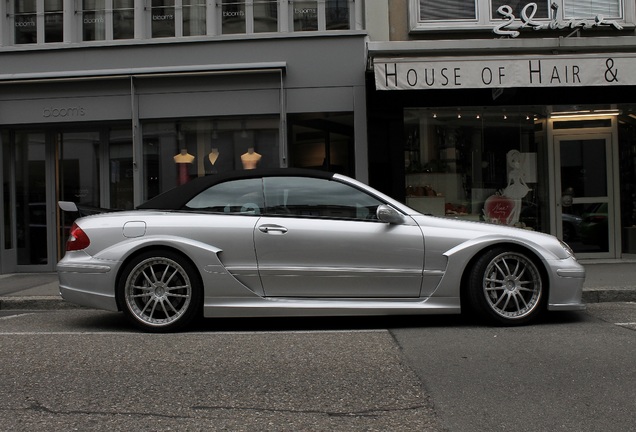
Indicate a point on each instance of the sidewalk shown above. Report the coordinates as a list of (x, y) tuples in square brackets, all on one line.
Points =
[(605, 282)]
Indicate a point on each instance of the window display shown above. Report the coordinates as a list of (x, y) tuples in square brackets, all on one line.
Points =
[(177, 151), (476, 164)]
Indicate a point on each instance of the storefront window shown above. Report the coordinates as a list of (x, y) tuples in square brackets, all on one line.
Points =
[(627, 161), (123, 19), (30, 197), (233, 16), (162, 18), (449, 10), (305, 14), (5, 153), (120, 151), (265, 16), (477, 165), (53, 21), (322, 141), (93, 20), (176, 152), (337, 14), (193, 18), (592, 8), (25, 22), (542, 10)]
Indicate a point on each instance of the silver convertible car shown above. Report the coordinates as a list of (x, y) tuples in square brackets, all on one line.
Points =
[(294, 242)]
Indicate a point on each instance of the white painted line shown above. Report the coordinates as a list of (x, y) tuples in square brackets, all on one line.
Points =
[(210, 333), (16, 316)]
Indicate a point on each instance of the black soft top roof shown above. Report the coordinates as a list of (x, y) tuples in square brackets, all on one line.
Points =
[(177, 198)]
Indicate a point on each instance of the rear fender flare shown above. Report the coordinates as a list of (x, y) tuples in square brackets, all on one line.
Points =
[(217, 280)]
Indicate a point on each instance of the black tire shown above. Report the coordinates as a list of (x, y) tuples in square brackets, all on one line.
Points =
[(506, 287), (160, 291)]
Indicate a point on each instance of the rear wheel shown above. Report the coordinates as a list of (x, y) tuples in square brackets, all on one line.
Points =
[(160, 291), (506, 287)]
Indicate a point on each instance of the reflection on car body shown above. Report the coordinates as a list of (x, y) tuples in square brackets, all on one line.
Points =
[(292, 242)]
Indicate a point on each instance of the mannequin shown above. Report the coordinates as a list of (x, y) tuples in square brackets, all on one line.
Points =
[(183, 157), (250, 159), (213, 156), (182, 160)]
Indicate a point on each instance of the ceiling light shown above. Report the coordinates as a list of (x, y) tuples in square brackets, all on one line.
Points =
[(584, 113)]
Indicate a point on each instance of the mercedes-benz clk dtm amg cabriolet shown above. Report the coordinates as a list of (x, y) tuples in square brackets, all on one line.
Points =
[(293, 242)]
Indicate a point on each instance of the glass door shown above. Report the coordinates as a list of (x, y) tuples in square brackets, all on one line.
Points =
[(42, 167), (33, 217), (78, 177), (584, 187)]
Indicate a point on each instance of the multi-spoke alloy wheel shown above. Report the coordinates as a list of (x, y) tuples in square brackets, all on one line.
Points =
[(160, 292), (507, 287)]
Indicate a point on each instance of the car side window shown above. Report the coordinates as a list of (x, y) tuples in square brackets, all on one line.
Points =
[(320, 198), (231, 197)]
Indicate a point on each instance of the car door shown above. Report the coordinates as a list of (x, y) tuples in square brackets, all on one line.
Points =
[(226, 216), (322, 238)]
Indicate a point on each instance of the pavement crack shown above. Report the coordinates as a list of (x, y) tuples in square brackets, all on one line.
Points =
[(373, 412), (36, 406)]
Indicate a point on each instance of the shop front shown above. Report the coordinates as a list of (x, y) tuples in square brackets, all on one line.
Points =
[(541, 142), (112, 137)]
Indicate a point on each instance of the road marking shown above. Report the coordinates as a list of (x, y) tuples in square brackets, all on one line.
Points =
[(210, 333), (16, 316)]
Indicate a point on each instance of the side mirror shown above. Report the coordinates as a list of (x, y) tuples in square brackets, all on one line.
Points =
[(389, 215)]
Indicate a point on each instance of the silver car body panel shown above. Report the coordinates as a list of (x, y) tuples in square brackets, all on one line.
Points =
[(359, 268)]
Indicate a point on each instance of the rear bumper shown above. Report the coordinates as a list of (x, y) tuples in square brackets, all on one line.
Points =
[(87, 282)]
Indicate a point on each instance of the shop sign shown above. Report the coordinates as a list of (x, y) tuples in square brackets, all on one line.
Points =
[(63, 112), (512, 25), (503, 72)]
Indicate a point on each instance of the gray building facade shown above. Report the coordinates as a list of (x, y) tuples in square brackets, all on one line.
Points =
[(105, 120)]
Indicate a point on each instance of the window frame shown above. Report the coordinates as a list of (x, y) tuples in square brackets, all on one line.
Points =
[(108, 14)]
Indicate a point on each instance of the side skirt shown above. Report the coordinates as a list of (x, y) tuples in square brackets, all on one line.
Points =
[(282, 307)]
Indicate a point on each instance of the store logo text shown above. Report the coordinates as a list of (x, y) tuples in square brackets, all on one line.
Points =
[(510, 27), (25, 23), (504, 73), (163, 17), (52, 112), (228, 14)]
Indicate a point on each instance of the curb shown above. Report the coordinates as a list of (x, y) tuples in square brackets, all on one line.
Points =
[(57, 303), (609, 295), (36, 303)]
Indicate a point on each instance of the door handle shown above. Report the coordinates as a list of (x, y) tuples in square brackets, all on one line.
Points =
[(272, 229)]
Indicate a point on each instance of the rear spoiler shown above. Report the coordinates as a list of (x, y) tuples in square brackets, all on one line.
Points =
[(71, 207)]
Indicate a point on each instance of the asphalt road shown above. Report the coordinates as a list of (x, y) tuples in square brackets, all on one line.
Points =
[(88, 370)]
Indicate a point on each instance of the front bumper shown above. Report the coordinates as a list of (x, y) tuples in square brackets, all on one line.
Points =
[(566, 285)]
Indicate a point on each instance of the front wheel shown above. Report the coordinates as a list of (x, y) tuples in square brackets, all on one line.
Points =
[(506, 287), (160, 291)]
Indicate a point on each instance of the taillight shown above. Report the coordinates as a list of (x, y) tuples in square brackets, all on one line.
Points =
[(78, 239)]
